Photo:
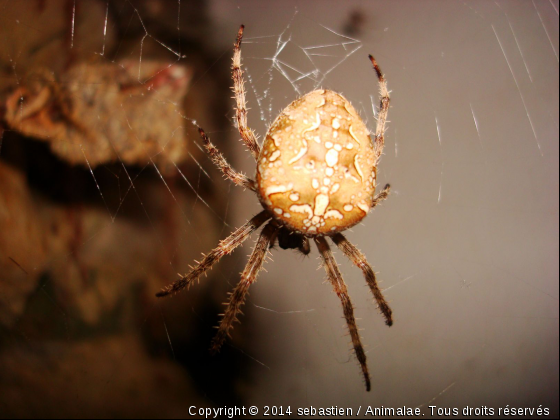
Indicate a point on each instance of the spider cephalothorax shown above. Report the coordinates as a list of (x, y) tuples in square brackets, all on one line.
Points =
[(316, 177), (288, 239)]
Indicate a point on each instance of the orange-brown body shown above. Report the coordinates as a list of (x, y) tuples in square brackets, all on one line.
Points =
[(316, 171)]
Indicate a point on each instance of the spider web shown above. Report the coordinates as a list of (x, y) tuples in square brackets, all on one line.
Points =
[(465, 247)]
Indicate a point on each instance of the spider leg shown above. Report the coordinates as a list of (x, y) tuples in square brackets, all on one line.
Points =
[(383, 111), (218, 159), (360, 261), (248, 277), (339, 286), (304, 248), (382, 196), (226, 246), (246, 133)]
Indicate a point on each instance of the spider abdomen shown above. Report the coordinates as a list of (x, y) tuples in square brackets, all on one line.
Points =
[(316, 171)]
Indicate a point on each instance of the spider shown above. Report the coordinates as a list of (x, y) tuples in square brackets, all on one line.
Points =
[(316, 176)]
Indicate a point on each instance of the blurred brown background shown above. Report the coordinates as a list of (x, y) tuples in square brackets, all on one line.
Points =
[(105, 195)]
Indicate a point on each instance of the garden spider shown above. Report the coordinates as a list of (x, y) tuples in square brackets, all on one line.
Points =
[(316, 176)]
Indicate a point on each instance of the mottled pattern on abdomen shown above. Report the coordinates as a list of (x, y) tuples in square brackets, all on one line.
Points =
[(315, 172)]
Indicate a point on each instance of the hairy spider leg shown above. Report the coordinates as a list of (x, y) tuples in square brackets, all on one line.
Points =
[(340, 289), (247, 134), (218, 159), (359, 260), (382, 196), (383, 111), (248, 277), (225, 247)]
